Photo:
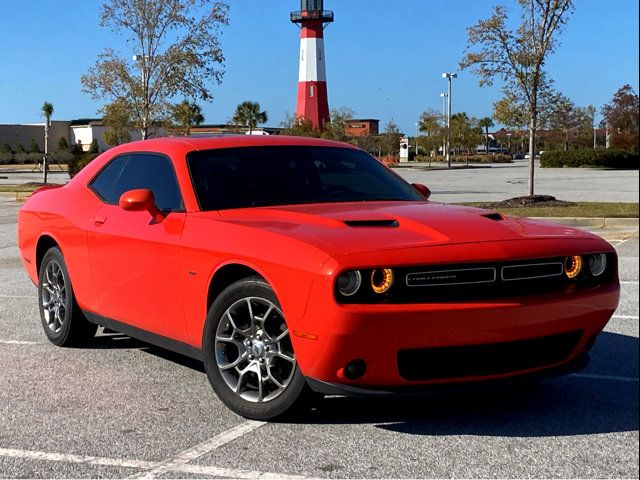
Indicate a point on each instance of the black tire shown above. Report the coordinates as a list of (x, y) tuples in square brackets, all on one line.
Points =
[(289, 398), (62, 320)]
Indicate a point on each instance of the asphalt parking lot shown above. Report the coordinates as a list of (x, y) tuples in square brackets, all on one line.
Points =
[(122, 408)]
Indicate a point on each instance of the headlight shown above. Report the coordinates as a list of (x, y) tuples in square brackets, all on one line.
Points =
[(349, 282), (572, 266), (597, 264), (381, 280)]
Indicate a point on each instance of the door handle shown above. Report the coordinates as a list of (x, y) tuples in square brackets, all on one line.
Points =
[(100, 219)]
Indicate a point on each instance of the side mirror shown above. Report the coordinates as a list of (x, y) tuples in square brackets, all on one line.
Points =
[(140, 200), (422, 189)]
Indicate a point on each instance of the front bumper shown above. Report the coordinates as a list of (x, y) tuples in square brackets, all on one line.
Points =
[(580, 362), (377, 333)]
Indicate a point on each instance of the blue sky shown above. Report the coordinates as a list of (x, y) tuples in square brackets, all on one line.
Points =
[(384, 59)]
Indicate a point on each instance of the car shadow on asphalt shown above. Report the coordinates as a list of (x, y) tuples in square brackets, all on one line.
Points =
[(115, 340), (601, 399)]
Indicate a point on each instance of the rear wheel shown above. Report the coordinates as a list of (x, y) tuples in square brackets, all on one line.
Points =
[(62, 320), (248, 354)]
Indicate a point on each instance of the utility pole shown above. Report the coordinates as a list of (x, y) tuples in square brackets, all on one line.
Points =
[(417, 139), (449, 76)]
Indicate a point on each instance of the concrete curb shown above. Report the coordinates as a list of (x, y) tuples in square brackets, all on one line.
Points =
[(597, 222)]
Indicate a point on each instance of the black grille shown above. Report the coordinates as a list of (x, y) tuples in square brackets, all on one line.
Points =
[(531, 271), (487, 359)]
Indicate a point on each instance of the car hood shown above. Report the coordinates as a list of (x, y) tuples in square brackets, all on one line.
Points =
[(348, 228)]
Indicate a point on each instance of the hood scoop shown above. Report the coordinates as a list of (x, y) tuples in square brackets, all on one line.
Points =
[(373, 223), (495, 216)]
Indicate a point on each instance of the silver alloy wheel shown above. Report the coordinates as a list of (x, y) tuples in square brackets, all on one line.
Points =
[(54, 296), (253, 350)]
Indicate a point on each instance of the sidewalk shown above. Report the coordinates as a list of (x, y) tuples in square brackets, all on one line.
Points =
[(611, 229)]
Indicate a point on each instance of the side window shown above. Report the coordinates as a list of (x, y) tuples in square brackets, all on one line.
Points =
[(154, 172), (103, 184)]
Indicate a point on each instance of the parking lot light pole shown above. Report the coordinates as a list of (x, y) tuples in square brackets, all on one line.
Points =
[(141, 59), (417, 124), (449, 76), (444, 96)]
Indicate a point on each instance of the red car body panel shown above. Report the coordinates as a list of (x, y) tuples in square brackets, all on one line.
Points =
[(157, 277)]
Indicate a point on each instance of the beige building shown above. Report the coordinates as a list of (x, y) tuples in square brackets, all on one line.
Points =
[(76, 132), (22, 134)]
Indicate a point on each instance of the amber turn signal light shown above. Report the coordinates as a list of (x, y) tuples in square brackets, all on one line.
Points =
[(381, 280), (572, 266)]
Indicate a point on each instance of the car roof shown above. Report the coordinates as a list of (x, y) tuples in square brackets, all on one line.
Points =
[(229, 141)]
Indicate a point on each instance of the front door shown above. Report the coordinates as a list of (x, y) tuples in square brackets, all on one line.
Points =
[(135, 261)]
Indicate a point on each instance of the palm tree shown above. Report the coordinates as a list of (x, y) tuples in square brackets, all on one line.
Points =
[(249, 115), (187, 114), (47, 112), (486, 123)]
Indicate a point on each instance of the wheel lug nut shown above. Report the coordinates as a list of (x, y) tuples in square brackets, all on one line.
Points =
[(251, 357), (261, 360), (247, 343)]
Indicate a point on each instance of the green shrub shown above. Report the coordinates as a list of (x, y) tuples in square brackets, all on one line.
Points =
[(20, 148), (33, 146), (6, 158), (78, 162), (22, 158), (609, 158), (62, 156), (5, 148), (93, 148), (63, 146)]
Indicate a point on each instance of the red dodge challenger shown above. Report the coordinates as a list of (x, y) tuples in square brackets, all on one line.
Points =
[(294, 265)]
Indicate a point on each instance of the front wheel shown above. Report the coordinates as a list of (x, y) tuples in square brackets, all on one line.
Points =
[(248, 354)]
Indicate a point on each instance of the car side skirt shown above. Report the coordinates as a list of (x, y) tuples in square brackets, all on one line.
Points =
[(145, 336)]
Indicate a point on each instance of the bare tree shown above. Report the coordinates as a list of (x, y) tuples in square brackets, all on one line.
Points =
[(177, 51), (517, 57)]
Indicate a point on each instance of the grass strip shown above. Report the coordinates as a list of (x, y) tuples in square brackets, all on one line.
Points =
[(575, 209)]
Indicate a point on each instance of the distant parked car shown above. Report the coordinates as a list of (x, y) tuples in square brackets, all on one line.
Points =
[(518, 156)]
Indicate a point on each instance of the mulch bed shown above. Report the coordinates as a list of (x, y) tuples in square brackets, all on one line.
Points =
[(529, 201)]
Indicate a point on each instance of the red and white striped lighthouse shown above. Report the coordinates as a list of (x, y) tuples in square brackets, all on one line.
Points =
[(313, 104)]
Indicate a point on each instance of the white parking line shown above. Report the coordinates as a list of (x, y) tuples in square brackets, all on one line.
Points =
[(201, 449), (17, 296), (606, 377), (626, 317), (67, 457), (19, 342), (139, 464), (629, 282)]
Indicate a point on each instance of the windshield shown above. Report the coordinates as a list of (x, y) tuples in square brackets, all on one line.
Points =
[(262, 176)]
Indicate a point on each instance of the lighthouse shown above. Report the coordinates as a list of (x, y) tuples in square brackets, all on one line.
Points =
[(313, 104)]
